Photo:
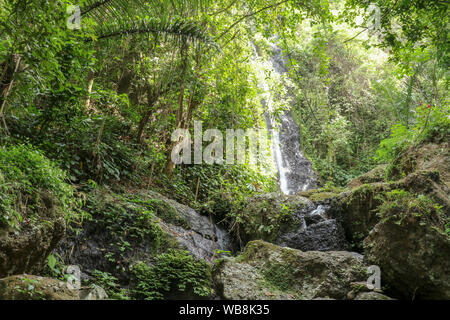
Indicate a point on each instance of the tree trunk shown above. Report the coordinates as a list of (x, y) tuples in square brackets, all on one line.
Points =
[(6, 85), (152, 97), (90, 79)]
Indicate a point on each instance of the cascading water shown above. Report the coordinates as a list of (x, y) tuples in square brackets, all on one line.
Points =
[(317, 230), (294, 169)]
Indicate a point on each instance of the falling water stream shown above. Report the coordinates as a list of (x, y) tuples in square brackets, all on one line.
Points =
[(294, 169)]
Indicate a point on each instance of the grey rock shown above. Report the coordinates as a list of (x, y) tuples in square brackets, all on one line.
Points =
[(93, 293), (267, 270), (26, 250)]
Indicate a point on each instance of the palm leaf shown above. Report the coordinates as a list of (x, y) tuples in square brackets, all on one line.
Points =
[(119, 17)]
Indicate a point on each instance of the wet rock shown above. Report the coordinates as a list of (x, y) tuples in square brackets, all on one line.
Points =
[(295, 170), (266, 269), (202, 238), (274, 210), (25, 250), (295, 221), (30, 287), (326, 235)]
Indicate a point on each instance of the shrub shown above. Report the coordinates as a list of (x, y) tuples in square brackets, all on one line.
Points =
[(432, 124), (174, 272), (399, 204), (24, 173)]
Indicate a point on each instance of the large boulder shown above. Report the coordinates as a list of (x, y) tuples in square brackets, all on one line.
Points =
[(130, 229), (294, 221), (25, 250), (268, 271), (357, 209), (32, 287), (412, 248)]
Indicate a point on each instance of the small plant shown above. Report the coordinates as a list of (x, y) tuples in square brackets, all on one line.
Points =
[(399, 204), (173, 273), (28, 289), (24, 174)]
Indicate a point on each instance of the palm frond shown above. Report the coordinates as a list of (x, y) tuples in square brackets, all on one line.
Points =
[(174, 29), (122, 17)]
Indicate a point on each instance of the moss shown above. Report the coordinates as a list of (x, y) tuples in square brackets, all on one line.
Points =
[(266, 218), (280, 276), (129, 223), (255, 250), (399, 205), (321, 196), (163, 210)]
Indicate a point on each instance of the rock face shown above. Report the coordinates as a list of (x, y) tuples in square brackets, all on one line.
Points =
[(318, 231), (431, 156), (126, 231), (267, 271), (28, 287), (202, 238), (26, 250), (93, 293), (295, 221), (356, 211), (414, 257)]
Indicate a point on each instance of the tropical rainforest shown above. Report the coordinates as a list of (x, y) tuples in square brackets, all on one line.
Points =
[(93, 205)]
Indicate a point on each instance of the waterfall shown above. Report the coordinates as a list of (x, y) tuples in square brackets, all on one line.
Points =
[(294, 169)]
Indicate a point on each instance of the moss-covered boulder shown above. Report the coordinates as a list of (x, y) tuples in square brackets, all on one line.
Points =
[(294, 221), (411, 245), (356, 209), (24, 249), (30, 287), (138, 228), (267, 216), (267, 271)]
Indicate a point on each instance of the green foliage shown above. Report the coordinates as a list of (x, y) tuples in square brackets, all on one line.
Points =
[(24, 173), (399, 204), (174, 273), (110, 284), (424, 25), (431, 123), (280, 276), (263, 219), (126, 221), (391, 147), (163, 210), (55, 267), (28, 289)]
